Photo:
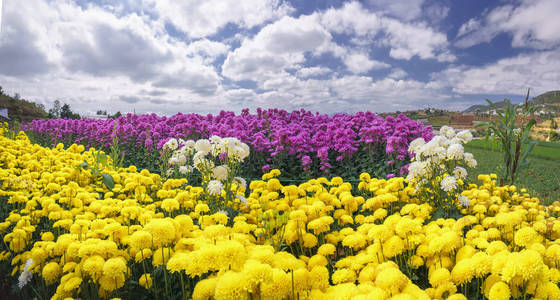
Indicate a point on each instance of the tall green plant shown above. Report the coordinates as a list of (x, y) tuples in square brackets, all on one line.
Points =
[(511, 136)]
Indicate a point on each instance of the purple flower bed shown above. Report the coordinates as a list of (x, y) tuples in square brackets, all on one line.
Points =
[(312, 139)]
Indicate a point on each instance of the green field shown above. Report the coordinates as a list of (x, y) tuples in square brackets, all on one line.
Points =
[(541, 178)]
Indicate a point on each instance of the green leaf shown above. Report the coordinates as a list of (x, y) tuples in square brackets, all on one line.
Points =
[(83, 166), (108, 181)]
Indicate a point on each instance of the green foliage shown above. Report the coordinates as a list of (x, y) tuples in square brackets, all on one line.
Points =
[(541, 178), (62, 111), (100, 161), (511, 135)]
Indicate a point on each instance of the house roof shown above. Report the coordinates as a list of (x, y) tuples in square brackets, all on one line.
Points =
[(4, 113)]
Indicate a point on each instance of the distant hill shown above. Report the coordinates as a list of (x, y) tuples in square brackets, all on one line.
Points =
[(21, 109), (483, 108), (546, 102), (547, 98)]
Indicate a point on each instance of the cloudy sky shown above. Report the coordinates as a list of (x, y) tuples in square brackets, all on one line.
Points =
[(167, 56)]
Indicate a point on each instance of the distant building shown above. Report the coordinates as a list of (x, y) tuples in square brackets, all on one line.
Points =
[(4, 114)]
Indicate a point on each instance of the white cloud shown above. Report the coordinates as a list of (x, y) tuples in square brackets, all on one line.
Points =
[(397, 73), (359, 63), (352, 18), (405, 40), (208, 50), (312, 71), (205, 18), (276, 47), (539, 71), (408, 40), (405, 10), (534, 24), (66, 41)]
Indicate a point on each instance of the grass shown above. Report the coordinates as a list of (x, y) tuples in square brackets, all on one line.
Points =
[(541, 178)]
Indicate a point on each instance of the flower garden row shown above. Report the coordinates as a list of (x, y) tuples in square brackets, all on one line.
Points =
[(68, 234), (300, 143)]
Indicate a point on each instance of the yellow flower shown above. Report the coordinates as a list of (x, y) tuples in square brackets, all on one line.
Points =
[(499, 291), (162, 230), (230, 286), (309, 240), (204, 289), (51, 271), (114, 267), (439, 276), (326, 249), (145, 281), (343, 275)]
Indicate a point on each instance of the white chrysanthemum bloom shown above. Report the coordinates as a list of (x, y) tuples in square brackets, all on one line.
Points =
[(223, 212), (447, 131), (416, 145), (469, 159), (169, 172), (243, 199), (240, 181), (460, 173), (429, 148), (448, 183), (464, 201), (172, 145), (178, 159), (185, 169), (220, 173), (190, 144), (203, 145), (199, 158), (172, 160), (246, 151), (214, 187), (26, 275), (455, 151), (465, 136), (215, 139)]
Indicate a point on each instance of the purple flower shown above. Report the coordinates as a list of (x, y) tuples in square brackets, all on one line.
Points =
[(265, 168), (390, 175)]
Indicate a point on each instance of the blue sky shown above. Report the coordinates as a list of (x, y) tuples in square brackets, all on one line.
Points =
[(330, 56)]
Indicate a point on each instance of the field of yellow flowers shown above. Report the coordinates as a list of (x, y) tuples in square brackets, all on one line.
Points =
[(67, 235)]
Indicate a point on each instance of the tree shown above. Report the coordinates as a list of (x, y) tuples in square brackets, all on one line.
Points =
[(1, 91), (55, 111), (66, 112), (101, 113)]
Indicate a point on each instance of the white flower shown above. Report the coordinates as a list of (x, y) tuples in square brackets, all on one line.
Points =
[(243, 199), (198, 158), (245, 151), (465, 136), (203, 146), (240, 181), (416, 145), (460, 173), (178, 159), (214, 187), (223, 212), (455, 151), (220, 172), (172, 145), (169, 172), (185, 169), (215, 139), (448, 183), (469, 159), (447, 131), (464, 201), (26, 275), (189, 144)]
